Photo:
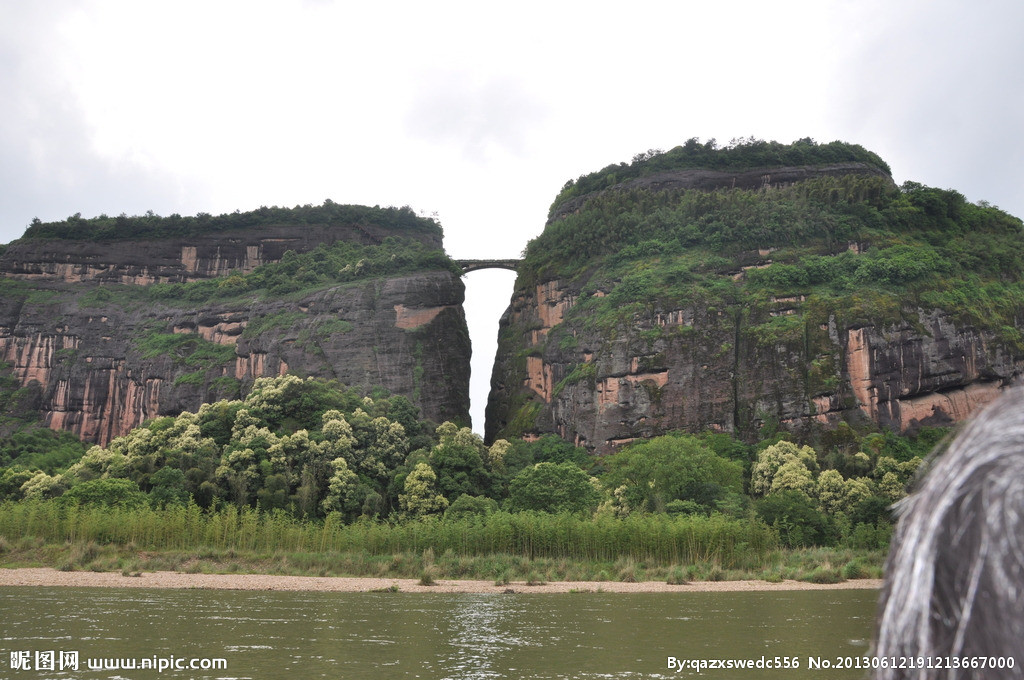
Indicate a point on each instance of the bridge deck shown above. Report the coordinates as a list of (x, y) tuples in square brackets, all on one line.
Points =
[(474, 265)]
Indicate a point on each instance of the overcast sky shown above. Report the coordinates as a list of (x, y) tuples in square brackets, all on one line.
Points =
[(479, 112)]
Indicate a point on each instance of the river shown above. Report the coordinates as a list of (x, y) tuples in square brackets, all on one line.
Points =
[(267, 635)]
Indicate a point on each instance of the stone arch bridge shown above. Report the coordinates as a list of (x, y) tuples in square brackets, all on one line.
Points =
[(473, 265)]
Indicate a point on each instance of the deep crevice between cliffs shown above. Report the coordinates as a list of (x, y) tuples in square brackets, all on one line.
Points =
[(488, 292)]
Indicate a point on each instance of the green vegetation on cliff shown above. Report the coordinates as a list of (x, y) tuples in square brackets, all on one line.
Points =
[(647, 306), (341, 262), (155, 332), (104, 228), (740, 155), (853, 244), (25, 444)]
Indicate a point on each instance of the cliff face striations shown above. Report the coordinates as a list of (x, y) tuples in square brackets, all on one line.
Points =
[(694, 369), (682, 300), (177, 259), (101, 351)]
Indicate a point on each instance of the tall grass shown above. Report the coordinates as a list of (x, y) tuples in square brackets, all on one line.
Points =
[(655, 539)]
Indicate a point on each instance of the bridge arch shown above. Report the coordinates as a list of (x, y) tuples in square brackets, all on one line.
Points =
[(474, 265)]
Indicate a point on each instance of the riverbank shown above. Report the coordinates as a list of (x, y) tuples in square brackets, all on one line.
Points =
[(170, 579), (815, 566)]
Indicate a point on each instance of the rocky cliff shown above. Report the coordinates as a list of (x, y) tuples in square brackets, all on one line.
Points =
[(183, 258), (101, 353), (696, 369), (668, 302)]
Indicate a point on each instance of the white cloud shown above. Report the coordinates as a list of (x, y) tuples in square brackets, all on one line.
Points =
[(936, 89), (485, 119)]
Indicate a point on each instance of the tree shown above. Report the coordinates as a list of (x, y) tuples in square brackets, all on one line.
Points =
[(891, 487), (648, 476), (553, 487), (772, 459), (12, 481), (42, 485), (168, 488), (338, 440), (421, 497), (387, 448), (496, 455), (459, 463), (471, 506), (893, 476), (793, 475), (856, 491), (98, 462), (240, 474), (108, 492), (274, 493), (341, 489), (831, 491), (836, 494), (870, 510), (794, 516)]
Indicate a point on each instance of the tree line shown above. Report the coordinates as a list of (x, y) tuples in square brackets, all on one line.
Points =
[(151, 225), (739, 155), (314, 449)]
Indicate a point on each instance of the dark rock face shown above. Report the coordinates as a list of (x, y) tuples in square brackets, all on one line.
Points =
[(101, 368), (697, 369), (175, 260), (901, 377)]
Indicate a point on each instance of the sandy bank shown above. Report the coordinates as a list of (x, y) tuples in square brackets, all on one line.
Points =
[(172, 579)]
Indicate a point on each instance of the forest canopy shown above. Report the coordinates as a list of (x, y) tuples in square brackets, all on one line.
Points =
[(150, 225), (738, 155), (313, 449)]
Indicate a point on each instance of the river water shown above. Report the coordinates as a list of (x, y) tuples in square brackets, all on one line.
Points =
[(303, 635)]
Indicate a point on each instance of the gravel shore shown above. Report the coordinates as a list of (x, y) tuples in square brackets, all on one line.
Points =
[(173, 579)]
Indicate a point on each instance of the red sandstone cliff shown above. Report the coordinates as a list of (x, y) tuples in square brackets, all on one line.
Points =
[(86, 347), (703, 371)]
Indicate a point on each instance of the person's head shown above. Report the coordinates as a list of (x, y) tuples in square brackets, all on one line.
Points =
[(954, 579)]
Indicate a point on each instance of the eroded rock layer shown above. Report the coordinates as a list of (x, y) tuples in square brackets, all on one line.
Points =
[(99, 360), (175, 260), (697, 369)]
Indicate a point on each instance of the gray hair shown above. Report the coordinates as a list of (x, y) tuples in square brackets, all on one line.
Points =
[(955, 572)]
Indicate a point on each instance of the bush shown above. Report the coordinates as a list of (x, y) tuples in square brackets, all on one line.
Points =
[(796, 519), (469, 506), (107, 492), (554, 488), (655, 474)]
